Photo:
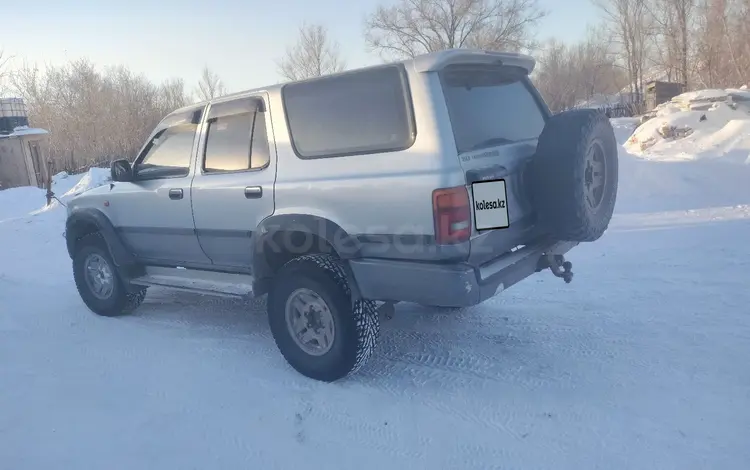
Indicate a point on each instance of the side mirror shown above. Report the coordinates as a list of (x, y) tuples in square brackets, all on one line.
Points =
[(121, 170)]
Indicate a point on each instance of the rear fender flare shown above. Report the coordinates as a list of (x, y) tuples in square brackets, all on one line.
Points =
[(345, 245)]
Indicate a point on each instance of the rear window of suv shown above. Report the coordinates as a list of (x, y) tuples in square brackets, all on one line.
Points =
[(367, 111), (490, 106)]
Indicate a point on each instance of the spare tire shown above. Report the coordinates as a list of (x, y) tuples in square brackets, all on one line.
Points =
[(574, 175)]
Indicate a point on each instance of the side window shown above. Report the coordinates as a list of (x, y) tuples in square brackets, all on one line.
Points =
[(361, 112), (237, 142), (168, 153)]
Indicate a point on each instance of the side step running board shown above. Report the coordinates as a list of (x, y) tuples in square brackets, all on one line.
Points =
[(199, 282)]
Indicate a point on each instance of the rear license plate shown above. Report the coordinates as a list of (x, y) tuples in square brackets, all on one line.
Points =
[(490, 205)]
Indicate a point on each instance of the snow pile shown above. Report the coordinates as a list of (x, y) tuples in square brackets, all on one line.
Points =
[(673, 181), (93, 178), (700, 99), (678, 131), (30, 200), (740, 97), (739, 94)]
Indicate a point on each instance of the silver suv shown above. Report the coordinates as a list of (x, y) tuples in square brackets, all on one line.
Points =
[(440, 180)]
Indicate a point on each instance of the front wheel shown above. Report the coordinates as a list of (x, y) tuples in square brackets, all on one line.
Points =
[(314, 323), (97, 281)]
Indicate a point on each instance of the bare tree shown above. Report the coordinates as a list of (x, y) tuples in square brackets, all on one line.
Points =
[(674, 27), (683, 10), (4, 60), (93, 116), (413, 27), (314, 55), (553, 76), (172, 94), (630, 24), (209, 86), (722, 56), (570, 73)]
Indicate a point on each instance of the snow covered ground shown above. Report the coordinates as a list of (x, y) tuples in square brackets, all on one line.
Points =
[(652, 181), (640, 363)]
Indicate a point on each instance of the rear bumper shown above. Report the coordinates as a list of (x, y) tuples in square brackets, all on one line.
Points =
[(449, 285)]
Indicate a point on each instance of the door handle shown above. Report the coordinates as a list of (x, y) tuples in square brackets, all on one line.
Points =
[(253, 192), (175, 193)]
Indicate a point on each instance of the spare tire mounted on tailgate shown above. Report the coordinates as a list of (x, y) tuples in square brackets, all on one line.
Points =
[(574, 175)]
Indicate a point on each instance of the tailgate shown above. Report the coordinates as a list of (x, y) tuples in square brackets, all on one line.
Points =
[(503, 217), (496, 116)]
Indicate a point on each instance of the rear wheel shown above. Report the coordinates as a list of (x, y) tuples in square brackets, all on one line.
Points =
[(98, 282), (314, 323), (574, 175)]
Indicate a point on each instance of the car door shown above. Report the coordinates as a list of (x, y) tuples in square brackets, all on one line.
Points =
[(153, 212), (235, 172)]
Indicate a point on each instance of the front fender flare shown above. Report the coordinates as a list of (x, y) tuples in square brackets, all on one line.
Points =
[(81, 222)]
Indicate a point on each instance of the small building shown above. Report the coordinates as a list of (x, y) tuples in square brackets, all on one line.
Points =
[(660, 92), (21, 147)]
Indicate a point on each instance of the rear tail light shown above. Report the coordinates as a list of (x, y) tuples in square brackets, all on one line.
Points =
[(452, 214)]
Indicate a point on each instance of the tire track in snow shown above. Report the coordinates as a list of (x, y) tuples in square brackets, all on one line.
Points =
[(439, 365), (373, 434), (391, 435), (438, 357)]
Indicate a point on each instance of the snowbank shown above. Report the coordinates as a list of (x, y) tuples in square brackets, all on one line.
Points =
[(25, 200), (722, 131), (739, 94), (677, 160), (93, 178), (692, 99)]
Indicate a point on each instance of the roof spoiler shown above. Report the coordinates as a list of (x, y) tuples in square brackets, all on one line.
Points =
[(436, 61)]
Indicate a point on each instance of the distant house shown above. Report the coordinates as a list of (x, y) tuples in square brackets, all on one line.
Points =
[(658, 92), (21, 147)]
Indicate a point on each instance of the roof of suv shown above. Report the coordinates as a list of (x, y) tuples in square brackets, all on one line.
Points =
[(432, 61)]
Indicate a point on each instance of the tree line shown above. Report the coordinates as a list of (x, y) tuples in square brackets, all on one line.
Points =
[(95, 115)]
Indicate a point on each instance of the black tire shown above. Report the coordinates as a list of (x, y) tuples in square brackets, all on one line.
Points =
[(356, 328), (562, 171), (119, 302)]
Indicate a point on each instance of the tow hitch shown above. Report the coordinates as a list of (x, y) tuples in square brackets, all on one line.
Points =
[(558, 266)]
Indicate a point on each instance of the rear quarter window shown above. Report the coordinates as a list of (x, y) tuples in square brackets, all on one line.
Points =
[(490, 106), (355, 113)]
